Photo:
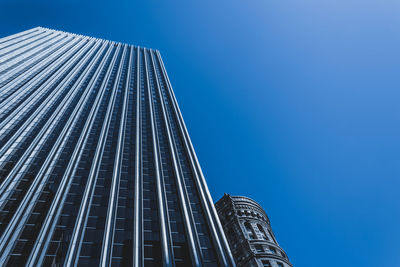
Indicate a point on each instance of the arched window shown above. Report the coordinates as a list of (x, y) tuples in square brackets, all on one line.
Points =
[(250, 231), (264, 234)]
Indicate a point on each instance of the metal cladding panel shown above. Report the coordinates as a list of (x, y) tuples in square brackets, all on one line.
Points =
[(96, 165)]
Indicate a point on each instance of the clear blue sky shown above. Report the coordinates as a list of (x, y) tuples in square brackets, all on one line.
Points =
[(295, 104)]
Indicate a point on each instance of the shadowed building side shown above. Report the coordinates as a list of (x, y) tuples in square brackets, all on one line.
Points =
[(248, 230)]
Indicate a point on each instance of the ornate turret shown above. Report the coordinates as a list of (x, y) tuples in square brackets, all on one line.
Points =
[(248, 230)]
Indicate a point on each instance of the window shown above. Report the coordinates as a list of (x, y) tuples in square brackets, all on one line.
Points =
[(266, 263), (280, 264), (249, 230), (264, 234), (259, 248), (273, 250)]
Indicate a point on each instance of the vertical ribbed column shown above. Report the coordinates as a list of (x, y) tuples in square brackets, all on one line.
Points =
[(106, 253), (193, 242), (60, 95), (72, 257), (26, 205), (25, 87), (24, 46), (137, 254), (218, 237), (16, 37), (166, 242), (21, 70), (72, 145)]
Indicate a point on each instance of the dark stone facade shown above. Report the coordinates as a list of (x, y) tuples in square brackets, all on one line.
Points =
[(248, 230)]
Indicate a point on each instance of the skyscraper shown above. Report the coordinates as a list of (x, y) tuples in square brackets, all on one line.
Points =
[(96, 164), (249, 233)]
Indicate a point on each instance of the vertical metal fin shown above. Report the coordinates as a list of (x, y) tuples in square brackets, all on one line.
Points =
[(166, 243), (189, 224), (138, 205), (39, 250), (223, 250), (107, 247), (72, 257)]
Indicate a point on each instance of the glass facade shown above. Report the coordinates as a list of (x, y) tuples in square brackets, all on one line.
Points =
[(96, 164)]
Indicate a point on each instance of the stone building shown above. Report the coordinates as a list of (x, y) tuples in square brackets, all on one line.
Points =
[(248, 230)]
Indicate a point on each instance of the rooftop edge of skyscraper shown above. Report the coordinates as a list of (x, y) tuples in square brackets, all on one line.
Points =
[(85, 36)]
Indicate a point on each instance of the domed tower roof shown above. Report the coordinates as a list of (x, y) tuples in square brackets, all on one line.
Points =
[(248, 203)]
